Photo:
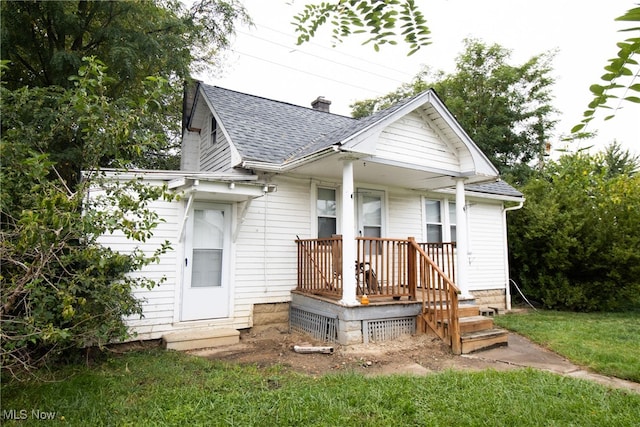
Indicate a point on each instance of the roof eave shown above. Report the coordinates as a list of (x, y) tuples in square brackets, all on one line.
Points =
[(287, 166)]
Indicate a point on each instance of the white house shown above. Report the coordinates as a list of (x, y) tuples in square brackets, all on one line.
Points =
[(278, 200)]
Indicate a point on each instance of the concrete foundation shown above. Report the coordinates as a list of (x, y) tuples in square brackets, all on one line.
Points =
[(351, 318), (273, 315), (491, 298)]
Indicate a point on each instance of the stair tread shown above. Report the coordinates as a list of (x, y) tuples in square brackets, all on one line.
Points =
[(199, 334), (470, 319), (484, 333)]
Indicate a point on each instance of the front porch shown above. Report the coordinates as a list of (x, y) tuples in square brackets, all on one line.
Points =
[(401, 287)]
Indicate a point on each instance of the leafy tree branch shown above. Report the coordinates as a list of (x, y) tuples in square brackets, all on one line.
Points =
[(623, 67), (381, 22)]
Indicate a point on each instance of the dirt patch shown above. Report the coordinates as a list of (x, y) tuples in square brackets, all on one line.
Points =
[(419, 355)]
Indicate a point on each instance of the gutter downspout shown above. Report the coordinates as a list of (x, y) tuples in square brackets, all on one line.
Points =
[(506, 252)]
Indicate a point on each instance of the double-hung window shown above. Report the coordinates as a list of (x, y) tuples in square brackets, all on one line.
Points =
[(327, 212), (441, 220)]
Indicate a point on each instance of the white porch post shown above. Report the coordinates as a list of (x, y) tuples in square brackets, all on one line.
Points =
[(462, 243), (348, 236)]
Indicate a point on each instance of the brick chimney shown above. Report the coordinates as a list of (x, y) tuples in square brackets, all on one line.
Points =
[(321, 104)]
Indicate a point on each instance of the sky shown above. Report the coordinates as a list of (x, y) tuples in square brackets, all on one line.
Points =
[(264, 59)]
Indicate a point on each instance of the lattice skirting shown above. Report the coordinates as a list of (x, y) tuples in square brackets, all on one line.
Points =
[(319, 326), (388, 329)]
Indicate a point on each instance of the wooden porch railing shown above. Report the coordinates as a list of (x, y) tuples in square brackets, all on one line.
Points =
[(388, 268), (320, 266), (382, 268), (439, 298), (443, 254)]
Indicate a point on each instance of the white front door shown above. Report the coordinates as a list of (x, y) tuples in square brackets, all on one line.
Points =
[(205, 286)]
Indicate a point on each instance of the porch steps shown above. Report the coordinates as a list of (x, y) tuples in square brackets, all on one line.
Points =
[(477, 331), (191, 339), (473, 324), (483, 340)]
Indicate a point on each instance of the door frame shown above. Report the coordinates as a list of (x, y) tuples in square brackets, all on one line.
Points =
[(185, 251)]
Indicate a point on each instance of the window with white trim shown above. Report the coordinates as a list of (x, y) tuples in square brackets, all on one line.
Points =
[(451, 206), (440, 220), (213, 131), (327, 212)]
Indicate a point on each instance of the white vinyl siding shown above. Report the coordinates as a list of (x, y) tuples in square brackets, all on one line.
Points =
[(405, 215), (412, 140), (266, 262), (214, 156), (159, 301)]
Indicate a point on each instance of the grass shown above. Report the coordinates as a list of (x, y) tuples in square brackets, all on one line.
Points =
[(155, 387), (608, 343)]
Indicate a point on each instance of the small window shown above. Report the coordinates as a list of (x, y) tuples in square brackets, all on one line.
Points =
[(452, 221), (434, 220), (441, 220), (327, 212), (214, 130)]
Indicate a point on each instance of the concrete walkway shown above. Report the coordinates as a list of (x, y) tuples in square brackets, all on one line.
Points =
[(522, 352)]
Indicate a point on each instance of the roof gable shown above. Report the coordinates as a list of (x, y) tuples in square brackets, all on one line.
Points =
[(276, 136)]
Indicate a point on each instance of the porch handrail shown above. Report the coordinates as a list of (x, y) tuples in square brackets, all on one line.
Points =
[(317, 270), (439, 298)]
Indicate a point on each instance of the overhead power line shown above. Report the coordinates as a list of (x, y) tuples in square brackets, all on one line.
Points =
[(307, 72), (350, 56), (341, 64)]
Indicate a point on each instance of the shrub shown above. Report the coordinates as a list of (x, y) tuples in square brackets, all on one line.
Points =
[(61, 289), (576, 242)]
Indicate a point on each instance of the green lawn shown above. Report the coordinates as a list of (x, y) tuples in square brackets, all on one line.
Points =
[(154, 387), (608, 343)]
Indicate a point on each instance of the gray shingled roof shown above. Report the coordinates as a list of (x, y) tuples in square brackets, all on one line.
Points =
[(497, 187), (277, 132), (271, 131)]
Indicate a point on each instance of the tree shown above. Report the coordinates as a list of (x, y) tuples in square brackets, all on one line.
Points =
[(576, 244), (378, 20), (46, 41), (506, 109), (61, 289), (622, 66)]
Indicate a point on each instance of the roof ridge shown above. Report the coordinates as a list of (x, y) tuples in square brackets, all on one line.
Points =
[(273, 100), (355, 126)]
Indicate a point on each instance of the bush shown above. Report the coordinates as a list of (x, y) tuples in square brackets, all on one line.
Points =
[(576, 242), (61, 289)]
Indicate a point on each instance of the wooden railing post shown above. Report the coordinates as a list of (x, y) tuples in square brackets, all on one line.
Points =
[(412, 268), (456, 344)]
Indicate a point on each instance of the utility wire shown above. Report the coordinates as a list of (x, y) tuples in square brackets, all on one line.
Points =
[(399, 82), (349, 56), (307, 72)]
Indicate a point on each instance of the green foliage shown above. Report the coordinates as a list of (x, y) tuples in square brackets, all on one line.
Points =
[(378, 20), (506, 109), (46, 41), (620, 68), (576, 242), (60, 288)]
